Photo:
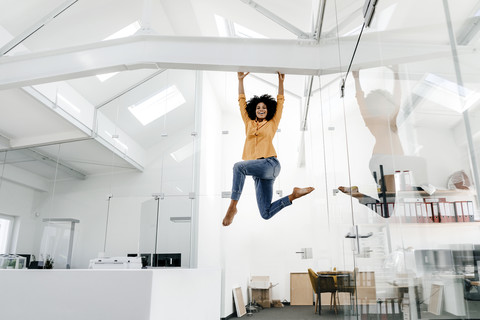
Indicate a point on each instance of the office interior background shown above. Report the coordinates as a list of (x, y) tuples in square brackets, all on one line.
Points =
[(120, 126)]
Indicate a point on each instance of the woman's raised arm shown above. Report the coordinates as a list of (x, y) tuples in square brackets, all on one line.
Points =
[(281, 78), (240, 76)]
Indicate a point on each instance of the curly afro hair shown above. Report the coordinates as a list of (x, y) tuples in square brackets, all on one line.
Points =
[(269, 101)]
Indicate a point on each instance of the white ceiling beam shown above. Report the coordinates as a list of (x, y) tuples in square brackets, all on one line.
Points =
[(24, 178), (302, 57), (54, 162), (4, 142)]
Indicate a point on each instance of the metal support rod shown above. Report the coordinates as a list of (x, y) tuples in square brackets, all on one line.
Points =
[(35, 27), (53, 162), (320, 17), (384, 193), (118, 95), (154, 258), (307, 103), (460, 87), (287, 25), (106, 224), (199, 76), (70, 245)]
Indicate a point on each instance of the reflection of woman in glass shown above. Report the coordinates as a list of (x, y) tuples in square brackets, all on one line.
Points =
[(261, 116), (379, 110)]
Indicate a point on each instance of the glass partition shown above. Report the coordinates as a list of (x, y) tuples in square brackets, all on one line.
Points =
[(401, 162), (80, 201)]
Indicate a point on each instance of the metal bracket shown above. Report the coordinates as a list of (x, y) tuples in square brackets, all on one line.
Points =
[(157, 196), (226, 194)]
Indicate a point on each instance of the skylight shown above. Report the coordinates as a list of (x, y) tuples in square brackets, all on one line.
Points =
[(105, 76), (446, 93), (243, 32), (157, 105), (448, 85), (125, 32), (226, 28), (129, 30)]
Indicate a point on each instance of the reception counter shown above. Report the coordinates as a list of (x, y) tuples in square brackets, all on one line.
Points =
[(148, 294)]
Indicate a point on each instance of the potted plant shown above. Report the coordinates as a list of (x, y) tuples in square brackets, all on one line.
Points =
[(48, 262)]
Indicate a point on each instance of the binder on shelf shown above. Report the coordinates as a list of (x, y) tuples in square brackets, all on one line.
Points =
[(425, 218), (436, 212), (442, 211), (379, 209), (450, 209), (429, 208), (413, 212), (418, 211), (471, 211), (458, 211), (465, 211), (408, 216)]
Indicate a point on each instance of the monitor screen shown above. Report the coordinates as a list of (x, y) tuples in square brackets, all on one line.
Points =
[(167, 260)]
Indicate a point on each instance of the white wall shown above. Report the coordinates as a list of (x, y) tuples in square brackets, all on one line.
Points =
[(111, 294)]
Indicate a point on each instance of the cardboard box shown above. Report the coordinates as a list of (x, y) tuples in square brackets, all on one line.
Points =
[(260, 282), (261, 290), (262, 296)]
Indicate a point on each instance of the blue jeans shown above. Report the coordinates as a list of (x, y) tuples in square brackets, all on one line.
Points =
[(264, 172)]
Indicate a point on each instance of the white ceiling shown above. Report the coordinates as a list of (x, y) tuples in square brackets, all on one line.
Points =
[(27, 122)]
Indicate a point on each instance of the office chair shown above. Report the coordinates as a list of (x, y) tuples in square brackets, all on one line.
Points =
[(313, 279), (326, 283)]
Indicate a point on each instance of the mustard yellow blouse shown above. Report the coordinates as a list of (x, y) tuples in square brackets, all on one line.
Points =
[(259, 136)]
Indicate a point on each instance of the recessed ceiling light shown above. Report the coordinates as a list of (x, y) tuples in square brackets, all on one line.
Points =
[(157, 105)]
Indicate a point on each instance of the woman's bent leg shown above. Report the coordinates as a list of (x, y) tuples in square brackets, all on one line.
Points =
[(264, 192), (261, 168)]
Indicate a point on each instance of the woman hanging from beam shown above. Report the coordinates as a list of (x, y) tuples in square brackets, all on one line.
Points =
[(261, 116)]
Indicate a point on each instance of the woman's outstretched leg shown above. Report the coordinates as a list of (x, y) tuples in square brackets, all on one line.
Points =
[(299, 192), (231, 212)]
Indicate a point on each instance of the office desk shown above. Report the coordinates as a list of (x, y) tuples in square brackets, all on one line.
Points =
[(401, 287)]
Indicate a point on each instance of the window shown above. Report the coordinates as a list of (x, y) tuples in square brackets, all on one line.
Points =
[(6, 227)]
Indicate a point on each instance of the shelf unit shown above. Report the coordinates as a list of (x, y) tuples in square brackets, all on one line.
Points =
[(412, 206)]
